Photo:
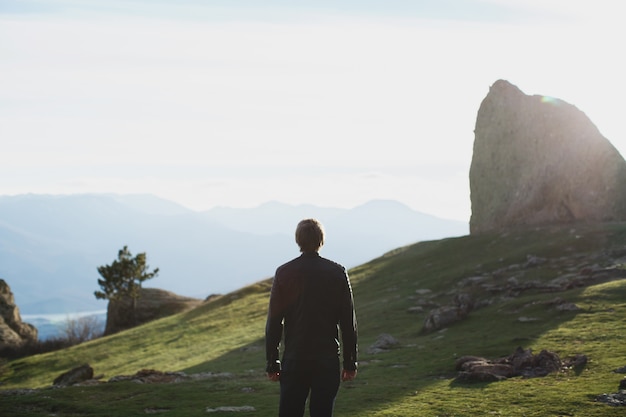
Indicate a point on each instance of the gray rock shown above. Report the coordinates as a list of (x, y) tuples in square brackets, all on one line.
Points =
[(616, 399), (522, 362), (444, 316), (14, 333), (539, 161), (383, 343)]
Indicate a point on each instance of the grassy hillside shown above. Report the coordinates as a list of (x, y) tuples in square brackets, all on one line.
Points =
[(221, 342)]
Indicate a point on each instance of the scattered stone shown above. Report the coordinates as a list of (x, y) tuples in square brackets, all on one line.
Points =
[(522, 362), (444, 316), (562, 305), (83, 376), (383, 344), (151, 376), (524, 319), (13, 392), (416, 309), (576, 362), (74, 376), (533, 261), (568, 307), (156, 410), (617, 399), (209, 375), (471, 281), (480, 369), (244, 408)]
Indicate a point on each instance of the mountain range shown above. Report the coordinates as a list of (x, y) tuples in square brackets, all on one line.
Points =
[(51, 245)]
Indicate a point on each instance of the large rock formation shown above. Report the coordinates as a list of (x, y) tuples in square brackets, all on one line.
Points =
[(539, 160), (153, 303), (13, 332)]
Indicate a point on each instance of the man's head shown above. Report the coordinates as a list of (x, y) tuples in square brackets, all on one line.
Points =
[(310, 235)]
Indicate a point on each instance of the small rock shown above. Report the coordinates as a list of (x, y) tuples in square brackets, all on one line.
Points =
[(244, 408), (616, 399), (567, 307), (383, 343), (576, 362)]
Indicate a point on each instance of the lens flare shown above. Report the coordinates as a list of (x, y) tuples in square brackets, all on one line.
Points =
[(550, 100)]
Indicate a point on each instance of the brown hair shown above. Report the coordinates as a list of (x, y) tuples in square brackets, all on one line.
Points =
[(310, 235)]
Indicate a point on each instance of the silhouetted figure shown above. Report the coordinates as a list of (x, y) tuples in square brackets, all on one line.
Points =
[(311, 301)]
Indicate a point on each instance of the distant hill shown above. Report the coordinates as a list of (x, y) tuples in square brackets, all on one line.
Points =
[(51, 245)]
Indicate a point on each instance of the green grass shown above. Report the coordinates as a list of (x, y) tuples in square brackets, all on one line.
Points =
[(416, 378)]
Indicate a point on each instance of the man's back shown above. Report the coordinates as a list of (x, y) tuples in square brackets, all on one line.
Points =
[(311, 301), (313, 295)]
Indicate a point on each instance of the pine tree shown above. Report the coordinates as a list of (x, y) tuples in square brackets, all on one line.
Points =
[(123, 278)]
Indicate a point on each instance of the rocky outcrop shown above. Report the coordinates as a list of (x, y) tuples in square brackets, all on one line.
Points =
[(74, 376), (152, 304), (539, 161), (13, 332), (522, 362)]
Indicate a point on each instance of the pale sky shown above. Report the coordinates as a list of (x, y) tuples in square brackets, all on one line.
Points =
[(332, 103)]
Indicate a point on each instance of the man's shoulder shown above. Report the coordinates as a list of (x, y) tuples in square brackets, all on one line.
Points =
[(288, 264), (303, 259), (332, 264)]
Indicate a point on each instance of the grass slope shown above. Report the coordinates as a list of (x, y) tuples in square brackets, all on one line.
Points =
[(225, 337)]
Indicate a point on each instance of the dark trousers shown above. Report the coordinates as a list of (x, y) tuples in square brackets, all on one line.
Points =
[(299, 378)]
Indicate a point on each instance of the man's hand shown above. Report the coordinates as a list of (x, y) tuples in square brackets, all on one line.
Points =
[(273, 376), (348, 375)]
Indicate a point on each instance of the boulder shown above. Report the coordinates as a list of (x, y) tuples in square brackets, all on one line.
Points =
[(444, 316), (541, 161), (522, 362), (152, 304), (13, 332)]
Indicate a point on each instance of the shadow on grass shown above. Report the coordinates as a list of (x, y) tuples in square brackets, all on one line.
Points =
[(421, 364)]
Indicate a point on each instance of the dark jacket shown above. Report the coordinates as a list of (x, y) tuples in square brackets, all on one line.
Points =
[(312, 299)]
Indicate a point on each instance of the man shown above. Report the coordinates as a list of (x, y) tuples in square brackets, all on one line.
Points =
[(311, 300)]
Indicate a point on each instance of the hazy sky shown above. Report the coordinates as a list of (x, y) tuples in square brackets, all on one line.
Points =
[(328, 102)]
